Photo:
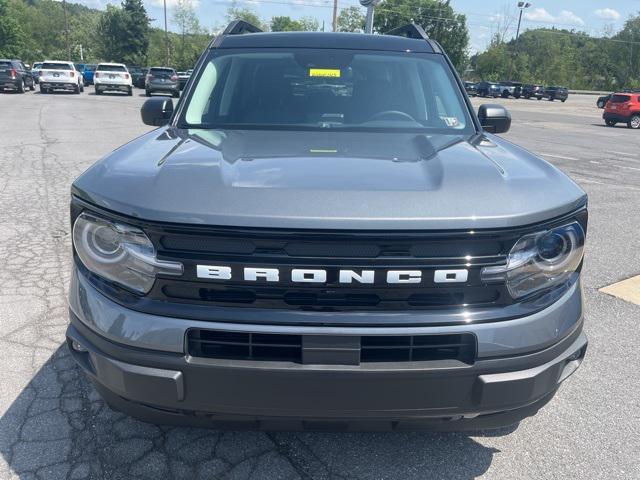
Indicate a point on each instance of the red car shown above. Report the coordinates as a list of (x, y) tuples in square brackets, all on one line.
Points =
[(623, 108)]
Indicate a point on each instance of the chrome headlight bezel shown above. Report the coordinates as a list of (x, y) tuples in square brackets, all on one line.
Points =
[(120, 253), (540, 261)]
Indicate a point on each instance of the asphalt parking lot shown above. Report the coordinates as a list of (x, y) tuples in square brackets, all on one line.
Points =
[(53, 425)]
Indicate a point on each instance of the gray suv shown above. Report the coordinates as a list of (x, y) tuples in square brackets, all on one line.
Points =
[(324, 235), (162, 80)]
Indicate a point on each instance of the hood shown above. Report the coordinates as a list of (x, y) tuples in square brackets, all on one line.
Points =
[(328, 180)]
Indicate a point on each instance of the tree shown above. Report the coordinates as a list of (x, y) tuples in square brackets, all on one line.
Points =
[(112, 35), (284, 24), (11, 34), (287, 24), (351, 19), (309, 24), (237, 13), (438, 19), (136, 23), (188, 47)]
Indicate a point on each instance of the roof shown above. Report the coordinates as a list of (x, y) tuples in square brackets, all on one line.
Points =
[(350, 41), (112, 63)]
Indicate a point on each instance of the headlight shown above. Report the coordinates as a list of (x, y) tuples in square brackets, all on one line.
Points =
[(120, 253), (540, 260)]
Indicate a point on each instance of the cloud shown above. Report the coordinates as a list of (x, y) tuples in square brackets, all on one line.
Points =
[(541, 15), (607, 14), (173, 3)]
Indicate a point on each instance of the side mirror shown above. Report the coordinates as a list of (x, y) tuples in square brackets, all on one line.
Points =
[(494, 118), (157, 111)]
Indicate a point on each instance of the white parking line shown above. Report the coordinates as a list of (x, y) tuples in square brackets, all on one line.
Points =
[(628, 168), (625, 154), (561, 157)]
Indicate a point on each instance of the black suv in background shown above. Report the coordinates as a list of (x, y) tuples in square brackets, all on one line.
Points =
[(488, 89), (15, 76), (532, 90), (471, 88), (138, 75), (556, 93)]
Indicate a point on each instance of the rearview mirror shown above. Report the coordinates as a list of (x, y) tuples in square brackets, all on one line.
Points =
[(494, 118), (157, 111)]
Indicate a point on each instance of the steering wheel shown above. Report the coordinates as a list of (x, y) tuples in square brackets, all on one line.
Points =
[(391, 114)]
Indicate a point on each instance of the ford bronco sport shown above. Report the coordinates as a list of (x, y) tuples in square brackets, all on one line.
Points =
[(323, 234)]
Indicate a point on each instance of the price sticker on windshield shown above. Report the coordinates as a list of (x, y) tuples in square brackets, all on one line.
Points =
[(324, 72)]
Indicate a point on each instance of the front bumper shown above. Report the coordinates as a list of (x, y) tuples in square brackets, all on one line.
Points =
[(139, 364), (176, 389)]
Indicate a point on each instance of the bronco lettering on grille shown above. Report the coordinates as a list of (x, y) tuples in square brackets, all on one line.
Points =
[(309, 275)]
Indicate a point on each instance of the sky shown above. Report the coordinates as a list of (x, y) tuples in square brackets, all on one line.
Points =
[(484, 17)]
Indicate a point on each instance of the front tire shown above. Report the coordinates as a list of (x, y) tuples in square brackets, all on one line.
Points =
[(634, 122), (610, 123)]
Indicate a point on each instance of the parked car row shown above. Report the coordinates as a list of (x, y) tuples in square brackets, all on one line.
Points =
[(516, 90), (52, 75)]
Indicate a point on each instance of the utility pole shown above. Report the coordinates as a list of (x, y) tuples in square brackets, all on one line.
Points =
[(66, 29), (370, 4), (166, 33), (521, 6), (335, 16)]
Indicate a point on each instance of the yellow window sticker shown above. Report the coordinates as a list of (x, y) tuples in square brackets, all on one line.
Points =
[(324, 72)]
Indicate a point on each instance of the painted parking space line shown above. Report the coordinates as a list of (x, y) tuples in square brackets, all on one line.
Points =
[(561, 157), (628, 168), (624, 154)]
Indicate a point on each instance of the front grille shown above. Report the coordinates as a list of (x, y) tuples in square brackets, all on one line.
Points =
[(332, 251), (225, 345)]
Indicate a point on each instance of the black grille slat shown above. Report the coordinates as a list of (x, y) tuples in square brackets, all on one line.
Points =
[(459, 347), (286, 250), (373, 348), (339, 299)]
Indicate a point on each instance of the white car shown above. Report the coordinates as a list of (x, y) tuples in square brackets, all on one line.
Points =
[(59, 75), (112, 77)]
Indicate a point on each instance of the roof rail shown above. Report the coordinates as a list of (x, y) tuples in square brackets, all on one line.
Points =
[(410, 30), (239, 27)]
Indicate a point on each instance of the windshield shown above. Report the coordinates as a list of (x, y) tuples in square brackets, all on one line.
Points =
[(89, 68), (312, 89), (111, 68)]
